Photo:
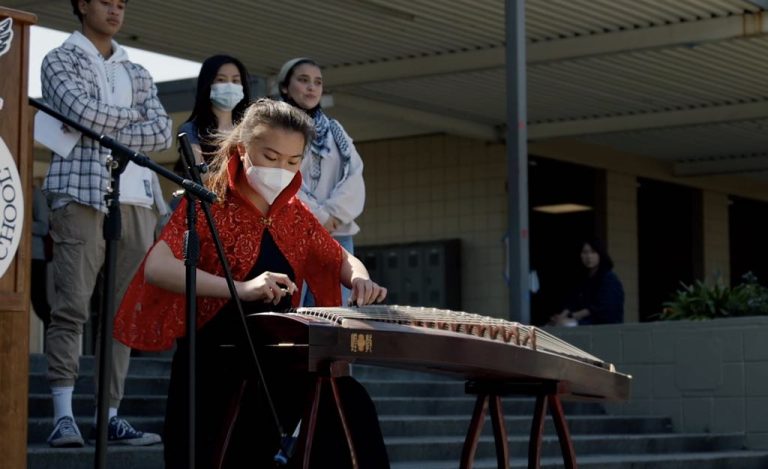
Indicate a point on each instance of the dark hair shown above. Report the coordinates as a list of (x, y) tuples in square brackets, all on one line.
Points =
[(606, 263), (276, 114), (76, 8), (285, 76), (202, 115)]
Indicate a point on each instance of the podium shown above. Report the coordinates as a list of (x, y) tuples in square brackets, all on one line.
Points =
[(15, 226)]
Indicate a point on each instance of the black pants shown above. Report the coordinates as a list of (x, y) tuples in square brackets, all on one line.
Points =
[(226, 386)]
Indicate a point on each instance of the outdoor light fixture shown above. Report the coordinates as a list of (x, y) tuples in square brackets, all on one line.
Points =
[(558, 209)]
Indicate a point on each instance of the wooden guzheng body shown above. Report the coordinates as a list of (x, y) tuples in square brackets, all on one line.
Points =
[(495, 356)]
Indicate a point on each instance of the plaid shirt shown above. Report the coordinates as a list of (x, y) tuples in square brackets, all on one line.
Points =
[(70, 86)]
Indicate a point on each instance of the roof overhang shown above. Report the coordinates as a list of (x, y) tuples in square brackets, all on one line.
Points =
[(681, 81)]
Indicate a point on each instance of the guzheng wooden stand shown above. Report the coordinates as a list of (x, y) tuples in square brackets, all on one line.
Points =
[(496, 357), (325, 380), (489, 394)]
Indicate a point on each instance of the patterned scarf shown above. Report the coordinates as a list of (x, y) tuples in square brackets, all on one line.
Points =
[(320, 149)]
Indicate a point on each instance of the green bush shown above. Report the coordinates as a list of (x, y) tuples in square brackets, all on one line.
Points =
[(701, 301)]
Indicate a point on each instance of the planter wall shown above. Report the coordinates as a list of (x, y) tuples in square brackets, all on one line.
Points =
[(709, 376)]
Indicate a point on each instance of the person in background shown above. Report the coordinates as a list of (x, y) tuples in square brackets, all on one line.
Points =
[(161, 206), (273, 245), (40, 257), (221, 97), (599, 295), (332, 169), (90, 79)]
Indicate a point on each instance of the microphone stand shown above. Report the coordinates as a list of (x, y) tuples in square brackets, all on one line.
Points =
[(191, 256), (286, 441), (116, 163)]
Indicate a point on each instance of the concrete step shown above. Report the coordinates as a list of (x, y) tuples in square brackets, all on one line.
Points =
[(405, 388), (363, 372), (40, 405), (464, 404), (85, 384), (424, 418), (713, 460), (448, 448), (44, 457), (41, 456), (142, 366), (451, 425), (40, 427)]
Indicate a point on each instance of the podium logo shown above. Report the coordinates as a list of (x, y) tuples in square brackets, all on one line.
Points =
[(6, 35), (11, 208)]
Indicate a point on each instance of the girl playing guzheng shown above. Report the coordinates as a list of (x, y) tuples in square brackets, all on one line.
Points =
[(273, 244)]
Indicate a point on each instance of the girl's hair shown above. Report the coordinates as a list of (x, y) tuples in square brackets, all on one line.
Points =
[(286, 72), (606, 263), (275, 114), (202, 114)]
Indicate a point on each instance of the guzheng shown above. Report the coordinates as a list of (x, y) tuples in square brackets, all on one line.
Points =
[(472, 346)]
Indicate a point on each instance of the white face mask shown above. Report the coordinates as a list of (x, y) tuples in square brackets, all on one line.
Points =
[(269, 182), (225, 96)]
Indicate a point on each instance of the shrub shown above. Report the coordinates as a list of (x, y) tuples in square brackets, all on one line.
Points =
[(701, 301)]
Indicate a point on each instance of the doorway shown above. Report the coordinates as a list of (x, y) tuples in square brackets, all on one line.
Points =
[(565, 203), (670, 246)]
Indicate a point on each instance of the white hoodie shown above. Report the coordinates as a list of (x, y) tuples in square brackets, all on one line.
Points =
[(115, 85)]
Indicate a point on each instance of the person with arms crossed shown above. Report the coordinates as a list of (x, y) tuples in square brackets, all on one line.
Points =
[(90, 79)]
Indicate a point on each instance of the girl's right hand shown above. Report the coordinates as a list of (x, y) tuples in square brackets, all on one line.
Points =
[(269, 287)]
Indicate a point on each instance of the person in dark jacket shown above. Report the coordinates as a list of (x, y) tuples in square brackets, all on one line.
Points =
[(599, 296)]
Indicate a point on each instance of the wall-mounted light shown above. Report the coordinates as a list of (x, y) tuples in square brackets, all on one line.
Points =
[(558, 209)]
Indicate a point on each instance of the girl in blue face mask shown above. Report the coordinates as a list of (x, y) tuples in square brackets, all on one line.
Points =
[(221, 98)]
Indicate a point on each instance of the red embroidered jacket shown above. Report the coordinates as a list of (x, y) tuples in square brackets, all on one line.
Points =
[(151, 318)]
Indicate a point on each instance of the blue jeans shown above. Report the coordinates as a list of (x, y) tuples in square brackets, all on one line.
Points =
[(308, 300)]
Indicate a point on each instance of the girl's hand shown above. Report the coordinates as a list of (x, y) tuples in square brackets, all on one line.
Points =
[(557, 319), (269, 287), (365, 291)]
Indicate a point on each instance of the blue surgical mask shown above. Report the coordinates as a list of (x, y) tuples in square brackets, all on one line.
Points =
[(225, 96)]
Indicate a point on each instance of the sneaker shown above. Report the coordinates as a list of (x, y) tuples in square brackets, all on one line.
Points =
[(120, 432), (66, 434)]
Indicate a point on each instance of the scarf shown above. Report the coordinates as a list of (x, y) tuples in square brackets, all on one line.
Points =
[(320, 149)]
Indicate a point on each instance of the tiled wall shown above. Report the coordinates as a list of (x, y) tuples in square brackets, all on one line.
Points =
[(709, 376), (441, 187)]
